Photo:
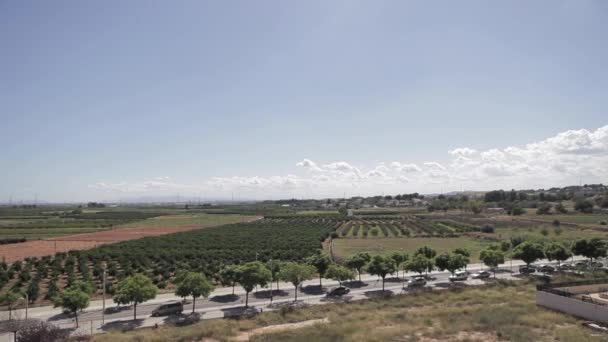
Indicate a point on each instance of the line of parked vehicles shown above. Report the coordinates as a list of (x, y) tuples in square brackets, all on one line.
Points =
[(176, 308)]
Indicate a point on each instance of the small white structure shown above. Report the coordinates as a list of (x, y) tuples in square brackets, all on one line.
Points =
[(349, 212)]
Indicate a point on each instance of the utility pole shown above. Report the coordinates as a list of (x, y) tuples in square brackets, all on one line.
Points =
[(103, 305), (27, 301)]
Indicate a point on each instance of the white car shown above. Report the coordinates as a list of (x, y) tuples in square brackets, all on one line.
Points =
[(481, 275), (459, 276), (416, 282)]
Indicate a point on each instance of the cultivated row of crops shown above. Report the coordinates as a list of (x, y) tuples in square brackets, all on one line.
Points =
[(405, 226), (159, 257)]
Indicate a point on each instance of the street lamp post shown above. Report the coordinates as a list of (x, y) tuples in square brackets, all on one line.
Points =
[(103, 303), (27, 301), (271, 271)]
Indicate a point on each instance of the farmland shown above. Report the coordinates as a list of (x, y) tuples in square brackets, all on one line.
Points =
[(445, 232), (159, 257), (37, 224)]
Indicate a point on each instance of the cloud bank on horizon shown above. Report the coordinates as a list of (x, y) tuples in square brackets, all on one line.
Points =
[(564, 159)]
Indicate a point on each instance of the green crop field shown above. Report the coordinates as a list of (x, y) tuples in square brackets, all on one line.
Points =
[(33, 224), (445, 232)]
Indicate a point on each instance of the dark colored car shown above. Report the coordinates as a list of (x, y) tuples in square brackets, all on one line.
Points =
[(338, 292), (546, 268), (527, 270)]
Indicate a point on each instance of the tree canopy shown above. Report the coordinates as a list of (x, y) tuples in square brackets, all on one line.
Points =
[(135, 289), (296, 273), (528, 252), (339, 273), (382, 266), (252, 274), (194, 284)]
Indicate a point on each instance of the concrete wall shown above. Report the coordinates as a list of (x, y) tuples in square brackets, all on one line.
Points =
[(584, 289), (572, 306)]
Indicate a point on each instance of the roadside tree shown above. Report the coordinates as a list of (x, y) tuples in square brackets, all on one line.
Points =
[(252, 274), (135, 289), (194, 284), (381, 266), (296, 273)]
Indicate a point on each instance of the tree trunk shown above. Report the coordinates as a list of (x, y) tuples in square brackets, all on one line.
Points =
[(10, 313), (76, 315), (320, 284), (382, 284), (193, 303), (135, 311), (246, 298), (233, 285), (359, 275), (296, 294), (278, 284)]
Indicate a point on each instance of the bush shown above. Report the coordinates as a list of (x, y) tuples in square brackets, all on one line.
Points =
[(603, 223), (487, 229), (37, 331), (556, 223)]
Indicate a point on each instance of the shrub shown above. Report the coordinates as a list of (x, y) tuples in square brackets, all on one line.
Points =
[(603, 223), (487, 229), (556, 223)]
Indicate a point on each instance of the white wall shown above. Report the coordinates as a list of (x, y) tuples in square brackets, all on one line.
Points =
[(572, 306)]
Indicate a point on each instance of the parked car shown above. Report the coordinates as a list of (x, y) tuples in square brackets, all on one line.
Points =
[(191, 318), (564, 267), (168, 309), (459, 276), (526, 269), (416, 282), (481, 275), (338, 292), (546, 268)]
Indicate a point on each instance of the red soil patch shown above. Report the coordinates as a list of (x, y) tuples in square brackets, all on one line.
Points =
[(67, 243)]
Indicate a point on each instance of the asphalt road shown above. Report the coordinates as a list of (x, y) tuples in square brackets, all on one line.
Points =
[(234, 304)]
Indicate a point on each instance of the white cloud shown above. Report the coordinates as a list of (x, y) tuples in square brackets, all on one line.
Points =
[(558, 160)]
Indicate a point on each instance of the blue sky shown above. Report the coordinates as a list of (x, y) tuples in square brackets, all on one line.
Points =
[(123, 99)]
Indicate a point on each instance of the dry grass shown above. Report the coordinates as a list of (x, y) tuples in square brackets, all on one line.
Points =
[(502, 312)]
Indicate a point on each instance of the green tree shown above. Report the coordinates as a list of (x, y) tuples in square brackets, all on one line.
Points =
[(584, 206), (250, 275), (492, 258), (528, 252), (135, 289), (274, 266), (465, 253), (296, 273), (73, 299), (419, 263), (194, 284), (321, 262), (400, 259), (451, 262), (381, 266), (84, 286), (427, 251), (557, 251), (228, 276), (559, 207), (10, 299), (340, 273), (358, 262), (591, 249), (33, 290)]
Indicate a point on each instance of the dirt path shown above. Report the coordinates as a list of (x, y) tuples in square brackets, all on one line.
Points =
[(39, 248), (245, 336)]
